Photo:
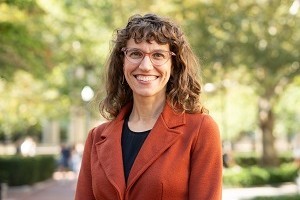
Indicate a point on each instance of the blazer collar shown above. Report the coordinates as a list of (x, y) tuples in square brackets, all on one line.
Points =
[(161, 137), (171, 118)]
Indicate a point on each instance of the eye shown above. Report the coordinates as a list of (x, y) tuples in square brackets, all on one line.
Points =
[(159, 55), (135, 54)]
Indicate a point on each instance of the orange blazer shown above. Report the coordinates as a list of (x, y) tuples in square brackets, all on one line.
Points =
[(181, 159)]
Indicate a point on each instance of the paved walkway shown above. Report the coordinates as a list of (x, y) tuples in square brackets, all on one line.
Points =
[(62, 187), (250, 193)]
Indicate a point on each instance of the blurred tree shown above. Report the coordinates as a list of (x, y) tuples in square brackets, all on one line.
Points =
[(22, 46), (261, 36), (289, 111), (250, 44), (68, 37), (27, 102)]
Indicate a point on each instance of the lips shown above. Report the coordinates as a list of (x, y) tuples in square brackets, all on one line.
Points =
[(145, 78)]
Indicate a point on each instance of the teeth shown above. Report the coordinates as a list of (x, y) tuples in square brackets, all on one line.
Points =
[(146, 78)]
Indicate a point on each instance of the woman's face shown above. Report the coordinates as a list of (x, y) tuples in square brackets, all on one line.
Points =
[(145, 78)]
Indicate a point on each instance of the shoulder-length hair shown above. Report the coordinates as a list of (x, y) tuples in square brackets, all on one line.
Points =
[(183, 88)]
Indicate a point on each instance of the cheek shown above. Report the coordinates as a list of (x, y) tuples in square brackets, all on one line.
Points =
[(168, 73), (127, 67), (125, 63)]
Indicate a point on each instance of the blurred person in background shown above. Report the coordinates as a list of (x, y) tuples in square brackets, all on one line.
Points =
[(76, 157), (159, 142), (65, 158)]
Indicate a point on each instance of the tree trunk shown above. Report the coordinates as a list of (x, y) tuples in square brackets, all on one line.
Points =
[(266, 123)]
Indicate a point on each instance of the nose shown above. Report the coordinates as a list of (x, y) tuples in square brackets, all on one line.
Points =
[(146, 63)]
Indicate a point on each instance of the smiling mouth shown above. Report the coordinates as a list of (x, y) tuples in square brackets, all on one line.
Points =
[(145, 78)]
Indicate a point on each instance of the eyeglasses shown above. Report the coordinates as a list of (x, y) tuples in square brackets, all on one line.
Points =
[(158, 57)]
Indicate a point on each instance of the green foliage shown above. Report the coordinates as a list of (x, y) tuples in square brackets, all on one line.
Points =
[(248, 49), (21, 44), (247, 160), (28, 5), (286, 173), (286, 197), (26, 102), (255, 176), (288, 111), (245, 176), (18, 170), (227, 102), (261, 36)]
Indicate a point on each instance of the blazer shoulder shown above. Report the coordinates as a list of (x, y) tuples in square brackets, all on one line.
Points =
[(201, 118), (205, 123), (96, 132), (207, 133)]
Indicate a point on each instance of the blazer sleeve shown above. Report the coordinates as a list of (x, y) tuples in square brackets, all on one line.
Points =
[(84, 189), (206, 163)]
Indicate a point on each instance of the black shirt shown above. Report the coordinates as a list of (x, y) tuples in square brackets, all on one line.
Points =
[(131, 144)]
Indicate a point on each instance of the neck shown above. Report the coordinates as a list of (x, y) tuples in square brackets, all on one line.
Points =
[(144, 113)]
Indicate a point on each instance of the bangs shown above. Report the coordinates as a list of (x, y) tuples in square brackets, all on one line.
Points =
[(150, 32)]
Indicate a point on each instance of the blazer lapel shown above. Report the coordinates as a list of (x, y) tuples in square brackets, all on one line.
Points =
[(110, 155), (161, 137)]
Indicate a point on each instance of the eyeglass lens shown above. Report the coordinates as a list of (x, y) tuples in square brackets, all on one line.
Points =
[(158, 57)]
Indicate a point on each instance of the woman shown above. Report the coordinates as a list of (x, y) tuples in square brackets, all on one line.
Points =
[(159, 144)]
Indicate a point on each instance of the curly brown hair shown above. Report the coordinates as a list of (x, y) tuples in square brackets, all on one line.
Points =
[(183, 88)]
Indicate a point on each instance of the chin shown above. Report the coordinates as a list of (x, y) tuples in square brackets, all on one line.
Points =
[(145, 94)]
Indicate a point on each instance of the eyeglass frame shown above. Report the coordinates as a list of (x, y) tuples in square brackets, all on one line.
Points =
[(125, 49)]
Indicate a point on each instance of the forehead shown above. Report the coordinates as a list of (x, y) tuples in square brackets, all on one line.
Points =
[(144, 45)]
